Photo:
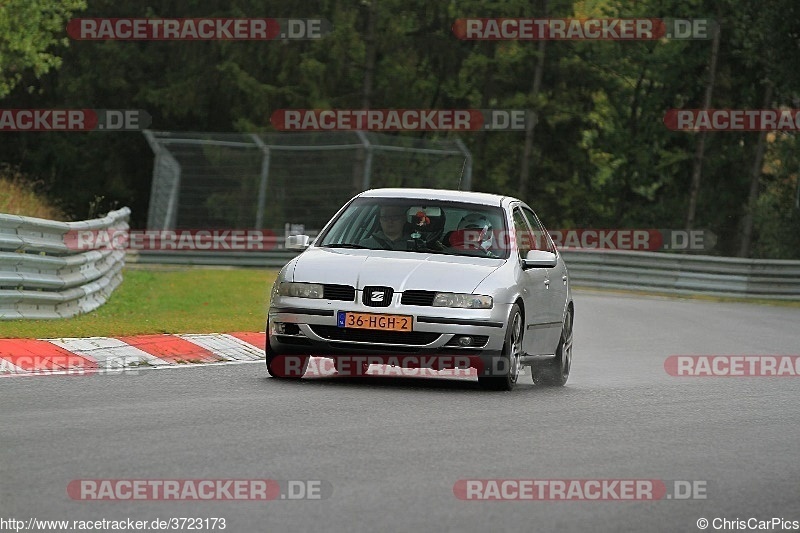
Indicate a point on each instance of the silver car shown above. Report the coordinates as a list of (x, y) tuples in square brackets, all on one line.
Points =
[(426, 278)]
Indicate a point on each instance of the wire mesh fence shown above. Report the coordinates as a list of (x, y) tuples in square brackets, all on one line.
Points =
[(265, 181)]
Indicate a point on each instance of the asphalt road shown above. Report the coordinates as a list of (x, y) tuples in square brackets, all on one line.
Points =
[(391, 449)]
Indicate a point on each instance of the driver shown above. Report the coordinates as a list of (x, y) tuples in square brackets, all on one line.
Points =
[(394, 232)]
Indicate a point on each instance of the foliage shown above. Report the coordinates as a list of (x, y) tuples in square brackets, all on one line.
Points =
[(28, 31), (602, 156)]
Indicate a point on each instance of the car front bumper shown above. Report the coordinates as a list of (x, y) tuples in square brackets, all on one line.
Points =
[(308, 326)]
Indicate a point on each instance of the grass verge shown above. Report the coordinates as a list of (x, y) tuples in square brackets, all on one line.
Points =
[(191, 300)]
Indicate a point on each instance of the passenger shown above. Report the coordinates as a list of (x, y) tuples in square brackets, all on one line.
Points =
[(474, 232)]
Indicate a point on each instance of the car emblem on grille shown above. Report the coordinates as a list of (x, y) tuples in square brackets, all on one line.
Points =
[(377, 296)]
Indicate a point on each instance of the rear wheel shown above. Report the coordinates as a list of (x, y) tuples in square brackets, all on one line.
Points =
[(555, 372), (286, 366), (504, 374)]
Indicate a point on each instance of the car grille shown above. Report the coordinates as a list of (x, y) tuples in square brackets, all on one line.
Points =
[(345, 293), (414, 338), (417, 298), (377, 296)]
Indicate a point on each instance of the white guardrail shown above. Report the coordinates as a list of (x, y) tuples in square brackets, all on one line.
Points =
[(644, 271), (685, 274), (42, 277)]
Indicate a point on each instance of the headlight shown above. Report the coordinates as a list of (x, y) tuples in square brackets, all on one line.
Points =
[(469, 301), (300, 290)]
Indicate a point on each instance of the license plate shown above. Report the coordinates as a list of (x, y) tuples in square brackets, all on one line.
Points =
[(374, 321)]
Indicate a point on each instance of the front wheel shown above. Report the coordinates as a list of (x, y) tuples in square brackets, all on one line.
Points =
[(286, 366), (504, 374), (555, 372)]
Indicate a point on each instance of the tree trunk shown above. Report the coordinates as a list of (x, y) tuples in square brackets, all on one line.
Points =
[(524, 169), (369, 55), (697, 166), (755, 179), (359, 166)]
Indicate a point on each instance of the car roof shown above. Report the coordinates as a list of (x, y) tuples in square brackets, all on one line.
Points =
[(436, 194)]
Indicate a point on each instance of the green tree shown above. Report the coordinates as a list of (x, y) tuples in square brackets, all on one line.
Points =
[(29, 30)]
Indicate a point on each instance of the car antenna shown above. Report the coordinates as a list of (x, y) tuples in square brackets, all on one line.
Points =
[(463, 166)]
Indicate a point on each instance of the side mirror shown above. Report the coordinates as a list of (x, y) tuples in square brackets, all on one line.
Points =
[(540, 259), (297, 242)]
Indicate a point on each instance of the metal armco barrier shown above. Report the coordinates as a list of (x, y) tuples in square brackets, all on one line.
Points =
[(685, 274), (43, 278), (272, 259), (644, 271)]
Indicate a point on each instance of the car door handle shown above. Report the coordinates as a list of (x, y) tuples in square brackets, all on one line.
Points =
[(547, 283), (564, 279)]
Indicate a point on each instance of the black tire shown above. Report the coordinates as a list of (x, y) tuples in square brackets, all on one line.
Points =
[(555, 372), (509, 363), (286, 366)]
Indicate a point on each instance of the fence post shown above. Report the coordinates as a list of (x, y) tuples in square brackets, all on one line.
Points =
[(262, 186), (163, 158), (465, 183), (368, 163)]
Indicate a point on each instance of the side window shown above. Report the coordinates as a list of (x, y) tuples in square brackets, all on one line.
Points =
[(522, 234), (541, 239)]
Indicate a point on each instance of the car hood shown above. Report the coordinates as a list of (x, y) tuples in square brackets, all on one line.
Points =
[(399, 270)]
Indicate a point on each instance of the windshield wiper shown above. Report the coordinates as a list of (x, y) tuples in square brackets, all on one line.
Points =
[(346, 245)]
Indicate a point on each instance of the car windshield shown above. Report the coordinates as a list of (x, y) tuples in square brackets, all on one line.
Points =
[(419, 226)]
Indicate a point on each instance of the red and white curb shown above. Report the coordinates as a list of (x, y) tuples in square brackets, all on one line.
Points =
[(102, 354), (92, 355)]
